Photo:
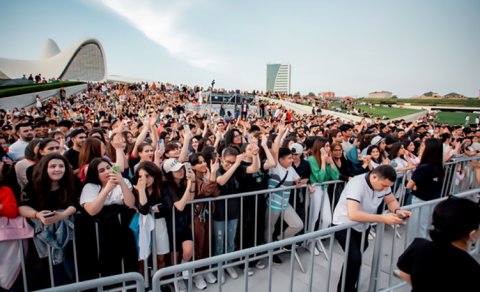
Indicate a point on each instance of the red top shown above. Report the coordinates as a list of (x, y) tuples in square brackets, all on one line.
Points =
[(9, 204)]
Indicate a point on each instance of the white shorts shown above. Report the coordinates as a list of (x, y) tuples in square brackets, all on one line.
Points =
[(161, 236)]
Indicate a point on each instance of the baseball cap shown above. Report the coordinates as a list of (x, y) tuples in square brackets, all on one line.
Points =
[(376, 140), (296, 148), (284, 152), (171, 164)]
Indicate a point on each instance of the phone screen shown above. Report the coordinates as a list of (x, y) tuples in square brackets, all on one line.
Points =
[(188, 167)]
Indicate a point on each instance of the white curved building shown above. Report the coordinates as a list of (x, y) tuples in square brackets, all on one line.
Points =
[(84, 61)]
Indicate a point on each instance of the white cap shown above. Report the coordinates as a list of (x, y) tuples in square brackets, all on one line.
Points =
[(296, 148), (171, 164)]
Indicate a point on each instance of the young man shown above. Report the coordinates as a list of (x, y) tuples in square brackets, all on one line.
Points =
[(359, 202), (25, 134), (78, 138), (283, 175)]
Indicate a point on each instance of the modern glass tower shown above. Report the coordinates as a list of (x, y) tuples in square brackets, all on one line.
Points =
[(278, 78)]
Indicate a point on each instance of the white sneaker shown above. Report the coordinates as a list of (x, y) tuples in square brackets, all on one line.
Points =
[(180, 286), (231, 272), (316, 251), (210, 278), (260, 264), (199, 282), (186, 274), (250, 272)]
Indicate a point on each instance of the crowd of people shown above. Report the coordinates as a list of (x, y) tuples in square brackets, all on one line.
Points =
[(111, 164)]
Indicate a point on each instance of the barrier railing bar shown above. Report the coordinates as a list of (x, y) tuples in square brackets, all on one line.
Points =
[(100, 282)]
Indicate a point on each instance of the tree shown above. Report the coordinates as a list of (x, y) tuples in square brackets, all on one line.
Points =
[(311, 94)]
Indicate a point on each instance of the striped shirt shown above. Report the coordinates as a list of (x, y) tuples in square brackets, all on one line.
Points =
[(279, 200)]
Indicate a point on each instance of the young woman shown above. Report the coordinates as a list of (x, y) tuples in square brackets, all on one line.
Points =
[(444, 264), (179, 189), (233, 137), (10, 245), (50, 200), (206, 187), (400, 163), (376, 158), (323, 169), (95, 148), (426, 184), (106, 198), (148, 199), (225, 218), (45, 146)]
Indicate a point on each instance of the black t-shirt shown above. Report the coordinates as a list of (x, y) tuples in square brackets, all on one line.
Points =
[(170, 195), (439, 267), (232, 186), (72, 156), (429, 185), (303, 169), (254, 181), (52, 202)]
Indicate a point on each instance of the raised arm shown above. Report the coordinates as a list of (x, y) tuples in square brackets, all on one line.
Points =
[(189, 193), (222, 180), (270, 161), (141, 137), (187, 137), (277, 141)]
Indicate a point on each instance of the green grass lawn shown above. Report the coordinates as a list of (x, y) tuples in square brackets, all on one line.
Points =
[(10, 90), (455, 118), (389, 112)]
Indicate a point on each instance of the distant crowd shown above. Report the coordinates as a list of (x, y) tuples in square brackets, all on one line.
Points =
[(117, 152)]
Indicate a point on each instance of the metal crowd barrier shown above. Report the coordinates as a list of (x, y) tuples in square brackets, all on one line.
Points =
[(102, 282), (375, 273), (449, 187)]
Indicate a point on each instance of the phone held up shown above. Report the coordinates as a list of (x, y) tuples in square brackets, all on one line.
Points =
[(188, 167)]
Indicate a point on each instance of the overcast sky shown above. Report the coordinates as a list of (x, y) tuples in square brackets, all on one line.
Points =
[(350, 47)]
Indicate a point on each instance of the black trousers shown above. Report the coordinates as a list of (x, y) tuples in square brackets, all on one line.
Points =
[(354, 258)]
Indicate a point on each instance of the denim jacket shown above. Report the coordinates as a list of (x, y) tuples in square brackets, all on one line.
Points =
[(55, 235)]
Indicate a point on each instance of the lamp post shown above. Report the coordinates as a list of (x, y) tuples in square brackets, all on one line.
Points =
[(211, 92)]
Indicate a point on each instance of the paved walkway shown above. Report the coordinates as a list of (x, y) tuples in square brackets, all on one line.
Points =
[(281, 273)]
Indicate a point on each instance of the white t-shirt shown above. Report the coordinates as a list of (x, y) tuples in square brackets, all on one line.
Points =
[(358, 189), (91, 191)]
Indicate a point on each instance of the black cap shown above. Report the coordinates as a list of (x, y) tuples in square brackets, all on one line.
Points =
[(284, 152)]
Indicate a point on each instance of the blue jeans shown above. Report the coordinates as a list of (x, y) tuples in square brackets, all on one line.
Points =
[(419, 222), (219, 235)]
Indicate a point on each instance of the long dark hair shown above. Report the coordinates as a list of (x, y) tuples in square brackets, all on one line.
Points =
[(154, 171), (394, 150), (317, 146), (433, 155), (92, 173), (229, 136), (369, 152), (90, 150), (42, 182)]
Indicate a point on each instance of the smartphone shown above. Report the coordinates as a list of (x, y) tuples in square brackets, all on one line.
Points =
[(403, 217), (188, 167), (186, 127), (47, 215), (322, 151), (116, 168), (161, 145)]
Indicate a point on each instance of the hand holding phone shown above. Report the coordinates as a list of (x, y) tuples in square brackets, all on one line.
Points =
[(188, 167), (48, 214)]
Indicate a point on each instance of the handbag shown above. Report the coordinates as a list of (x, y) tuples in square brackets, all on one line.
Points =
[(15, 229)]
